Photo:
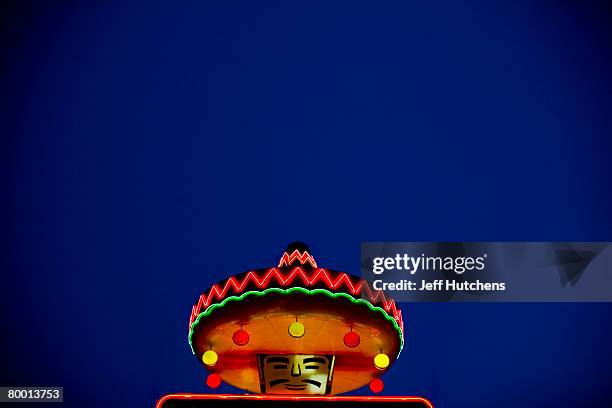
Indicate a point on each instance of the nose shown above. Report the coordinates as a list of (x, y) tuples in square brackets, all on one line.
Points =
[(296, 371)]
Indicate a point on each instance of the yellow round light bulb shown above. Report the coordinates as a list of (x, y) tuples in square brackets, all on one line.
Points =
[(381, 361), (210, 358), (296, 329)]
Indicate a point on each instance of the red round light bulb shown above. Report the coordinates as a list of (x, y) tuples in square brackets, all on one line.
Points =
[(377, 385), (351, 339), (213, 380), (240, 337)]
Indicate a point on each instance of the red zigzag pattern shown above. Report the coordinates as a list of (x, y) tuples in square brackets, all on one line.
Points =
[(317, 275), (287, 259)]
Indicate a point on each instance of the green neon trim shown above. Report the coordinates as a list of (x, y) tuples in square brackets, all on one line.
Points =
[(289, 291)]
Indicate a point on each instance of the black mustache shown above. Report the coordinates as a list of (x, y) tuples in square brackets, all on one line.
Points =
[(313, 382), (282, 381), (276, 382)]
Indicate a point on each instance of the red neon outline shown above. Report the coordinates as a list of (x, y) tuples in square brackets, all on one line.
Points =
[(285, 279), (287, 259), (266, 397)]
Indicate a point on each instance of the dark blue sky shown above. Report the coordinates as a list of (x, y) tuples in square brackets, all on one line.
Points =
[(151, 150)]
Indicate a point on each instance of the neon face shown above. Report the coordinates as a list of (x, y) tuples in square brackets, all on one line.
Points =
[(296, 373)]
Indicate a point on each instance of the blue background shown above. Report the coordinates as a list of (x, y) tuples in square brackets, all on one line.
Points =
[(150, 150)]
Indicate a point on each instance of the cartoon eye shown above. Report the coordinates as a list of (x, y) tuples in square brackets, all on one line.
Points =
[(314, 363), (281, 362)]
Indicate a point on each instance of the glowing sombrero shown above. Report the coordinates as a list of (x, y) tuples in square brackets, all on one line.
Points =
[(295, 329)]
